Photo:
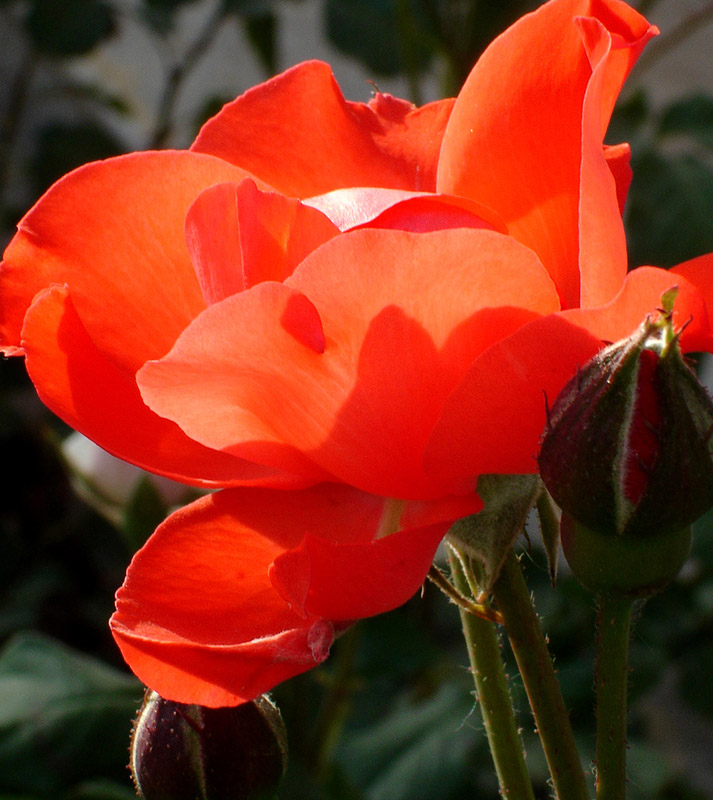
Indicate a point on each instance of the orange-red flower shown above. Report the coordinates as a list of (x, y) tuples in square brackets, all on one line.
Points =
[(361, 304)]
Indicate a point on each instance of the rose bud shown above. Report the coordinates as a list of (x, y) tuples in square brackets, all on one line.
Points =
[(628, 456), (183, 752)]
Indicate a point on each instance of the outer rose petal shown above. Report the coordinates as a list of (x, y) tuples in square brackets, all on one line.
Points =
[(239, 236), (640, 296), (523, 136), (113, 232), (618, 158), (356, 378), (351, 581), (198, 618), (699, 271), (299, 134), (493, 420), (91, 394)]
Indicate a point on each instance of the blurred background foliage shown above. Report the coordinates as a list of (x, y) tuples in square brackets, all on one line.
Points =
[(391, 715)]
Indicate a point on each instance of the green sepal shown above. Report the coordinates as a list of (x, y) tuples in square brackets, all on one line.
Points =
[(619, 565), (487, 537)]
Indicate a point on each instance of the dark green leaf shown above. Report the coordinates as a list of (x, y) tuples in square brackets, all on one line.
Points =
[(691, 116), (159, 15), (167, 5), (145, 511), (101, 790), (628, 118), (261, 30), (248, 8), (69, 27), (669, 210), (210, 106), (61, 147), (378, 34), (418, 751), (64, 717)]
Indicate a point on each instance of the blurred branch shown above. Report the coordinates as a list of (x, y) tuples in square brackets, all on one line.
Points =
[(669, 41), (17, 101), (180, 70)]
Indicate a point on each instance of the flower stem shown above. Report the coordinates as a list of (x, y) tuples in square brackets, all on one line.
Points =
[(479, 609), (493, 695), (538, 674), (336, 704), (612, 673)]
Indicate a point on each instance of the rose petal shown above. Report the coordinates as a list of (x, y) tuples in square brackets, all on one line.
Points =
[(402, 210), (493, 420), (639, 297), (90, 393), (198, 618), (699, 271), (514, 140), (299, 134), (113, 232), (399, 331), (239, 236)]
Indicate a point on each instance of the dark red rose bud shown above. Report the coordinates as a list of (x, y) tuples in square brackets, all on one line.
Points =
[(628, 448), (189, 752), (628, 456)]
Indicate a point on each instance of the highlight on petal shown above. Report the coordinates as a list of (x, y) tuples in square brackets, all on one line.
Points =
[(239, 236), (418, 212), (91, 394), (400, 330), (525, 140), (298, 133), (198, 618), (112, 231), (492, 422)]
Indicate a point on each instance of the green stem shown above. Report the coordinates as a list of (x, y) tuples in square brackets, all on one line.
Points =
[(612, 675), (493, 696), (538, 674), (336, 704)]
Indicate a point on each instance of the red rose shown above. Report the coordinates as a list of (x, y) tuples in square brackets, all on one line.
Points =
[(374, 346)]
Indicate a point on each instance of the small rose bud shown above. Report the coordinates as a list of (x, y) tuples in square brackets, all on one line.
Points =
[(184, 752), (628, 456)]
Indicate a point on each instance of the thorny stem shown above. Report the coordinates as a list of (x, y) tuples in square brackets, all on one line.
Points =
[(493, 695), (538, 674)]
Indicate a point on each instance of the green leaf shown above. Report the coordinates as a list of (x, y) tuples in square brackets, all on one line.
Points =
[(669, 210), (145, 511), (382, 36), (69, 27), (488, 536), (64, 716), (691, 116), (261, 30), (63, 146), (102, 790), (418, 751)]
